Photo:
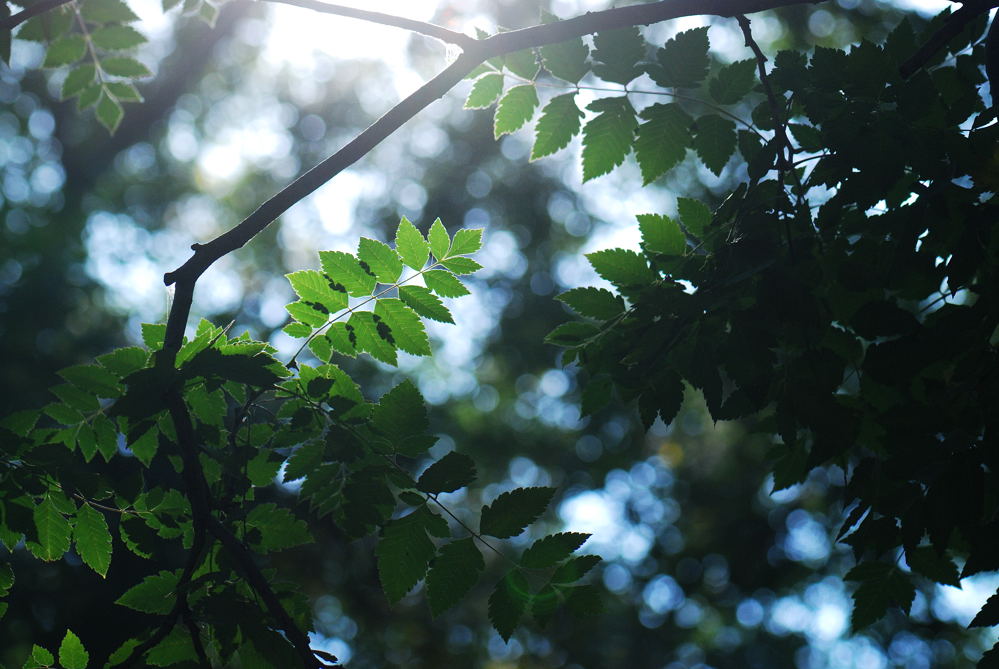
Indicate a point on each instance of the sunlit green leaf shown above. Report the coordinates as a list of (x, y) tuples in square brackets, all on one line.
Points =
[(485, 91), (662, 140), (93, 539), (559, 123), (411, 246), (125, 67), (53, 531), (117, 37), (107, 11), (72, 654), (155, 594), (109, 112), (593, 302), (346, 271), (444, 283), (661, 234), (515, 108), (381, 260), (425, 303), (405, 327), (607, 138), (65, 51)]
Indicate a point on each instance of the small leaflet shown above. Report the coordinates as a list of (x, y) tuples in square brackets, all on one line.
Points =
[(607, 138), (715, 141), (560, 121), (515, 109)]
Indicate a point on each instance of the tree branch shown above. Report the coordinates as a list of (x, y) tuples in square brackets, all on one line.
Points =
[(421, 27), (251, 572), (955, 23), (475, 53), (43, 6)]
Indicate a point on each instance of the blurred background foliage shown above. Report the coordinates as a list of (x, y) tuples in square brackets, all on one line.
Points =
[(703, 566)]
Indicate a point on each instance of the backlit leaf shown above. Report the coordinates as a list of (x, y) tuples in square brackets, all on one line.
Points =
[(314, 287), (661, 234), (513, 511), (466, 241), (107, 11), (455, 570), (484, 91), (117, 37), (109, 112), (593, 302), (345, 270), (662, 140), (607, 138), (565, 60), (370, 338), (559, 123), (72, 654), (405, 326), (125, 67), (404, 552), (733, 82), (515, 108), (411, 246), (694, 215), (65, 51), (618, 54), (715, 141), (575, 569), (381, 260), (78, 79), (53, 531), (425, 303), (453, 471), (444, 283), (278, 528), (439, 240), (621, 267), (683, 60), (461, 265), (155, 594), (552, 549), (507, 604), (93, 539)]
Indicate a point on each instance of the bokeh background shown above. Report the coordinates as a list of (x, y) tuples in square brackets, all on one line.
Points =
[(703, 566)]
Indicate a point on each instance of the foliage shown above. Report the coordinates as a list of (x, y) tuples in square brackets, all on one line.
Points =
[(841, 296)]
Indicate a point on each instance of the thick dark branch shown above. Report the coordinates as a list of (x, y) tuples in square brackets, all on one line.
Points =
[(955, 23), (43, 6), (421, 27), (251, 572), (475, 53)]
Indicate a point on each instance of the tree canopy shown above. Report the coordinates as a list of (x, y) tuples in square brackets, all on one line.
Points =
[(812, 298)]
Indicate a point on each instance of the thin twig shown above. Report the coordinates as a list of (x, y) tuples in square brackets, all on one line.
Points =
[(43, 6), (421, 27)]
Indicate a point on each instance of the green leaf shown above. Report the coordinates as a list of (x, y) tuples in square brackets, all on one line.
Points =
[(297, 330), (117, 37), (461, 265), (559, 123), (444, 283), (401, 414), (308, 456), (411, 246), (314, 287), (523, 63), (53, 531), (924, 560), (153, 335), (311, 314), (565, 60), (694, 215), (404, 552), (510, 598), (425, 303), (76, 398), (572, 334), (607, 138), (662, 140), (733, 82), (455, 570), (156, 594), (278, 528), (72, 654), (109, 112), (715, 141), (881, 585), (381, 260), (439, 240), (622, 267), (484, 91), (515, 108), (174, 649), (65, 51), (345, 270), (123, 361), (125, 67), (260, 370), (513, 511), (661, 234), (6, 578), (405, 327), (683, 60), (466, 241), (40, 657), (92, 379), (107, 11), (618, 54), (123, 91), (342, 339), (575, 569), (93, 539), (372, 336), (583, 600), (593, 302), (551, 550), (78, 79), (89, 96), (453, 471)]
